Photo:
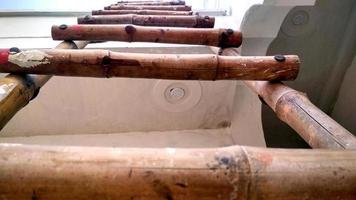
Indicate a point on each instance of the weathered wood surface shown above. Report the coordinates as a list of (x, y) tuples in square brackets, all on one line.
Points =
[(103, 63), (143, 7), (178, 2), (239, 173), (140, 12), (132, 33), (151, 20), (16, 91), (294, 108)]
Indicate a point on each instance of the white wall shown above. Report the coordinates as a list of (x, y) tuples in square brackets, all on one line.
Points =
[(95, 106)]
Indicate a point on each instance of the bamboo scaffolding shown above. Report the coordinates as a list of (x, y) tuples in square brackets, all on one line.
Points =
[(239, 173), (294, 108), (162, 3), (140, 12), (151, 20), (103, 63), (143, 7), (16, 91), (132, 33)]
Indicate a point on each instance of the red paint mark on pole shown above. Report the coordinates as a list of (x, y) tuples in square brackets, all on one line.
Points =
[(76, 27), (4, 56)]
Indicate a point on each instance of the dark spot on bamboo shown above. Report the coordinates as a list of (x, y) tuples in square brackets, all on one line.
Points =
[(130, 30), (63, 27), (14, 50), (224, 160), (125, 62), (106, 61), (224, 124), (158, 186), (229, 31), (130, 173), (34, 195), (189, 75), (280, 58)]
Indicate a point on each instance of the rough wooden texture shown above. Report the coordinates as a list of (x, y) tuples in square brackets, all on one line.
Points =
[(294, 108), (151, 20), (16, 91), (143, 7), (103, 63), (140, 12), (156, 3), (238, 173), (132, 33)]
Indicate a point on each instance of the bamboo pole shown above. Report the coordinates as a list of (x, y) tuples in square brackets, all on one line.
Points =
[(103, 63), (16, 91), (294, 108), (132, 33), (239, 173), (143, 7), (140, 12), (151, 20), (162, 3)]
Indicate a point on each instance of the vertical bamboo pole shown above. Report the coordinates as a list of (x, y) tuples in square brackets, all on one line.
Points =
[(16, 91)]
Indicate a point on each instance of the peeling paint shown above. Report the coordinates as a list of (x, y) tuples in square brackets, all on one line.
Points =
[(5, 88), (30, 58)]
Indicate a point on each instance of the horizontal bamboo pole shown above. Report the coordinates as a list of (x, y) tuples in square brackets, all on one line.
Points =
[(16, 91), (140, 12), (132, 33), (151, 20), (143, 7), (103, 63), (177, 2), (294, 108), (239, 173)]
